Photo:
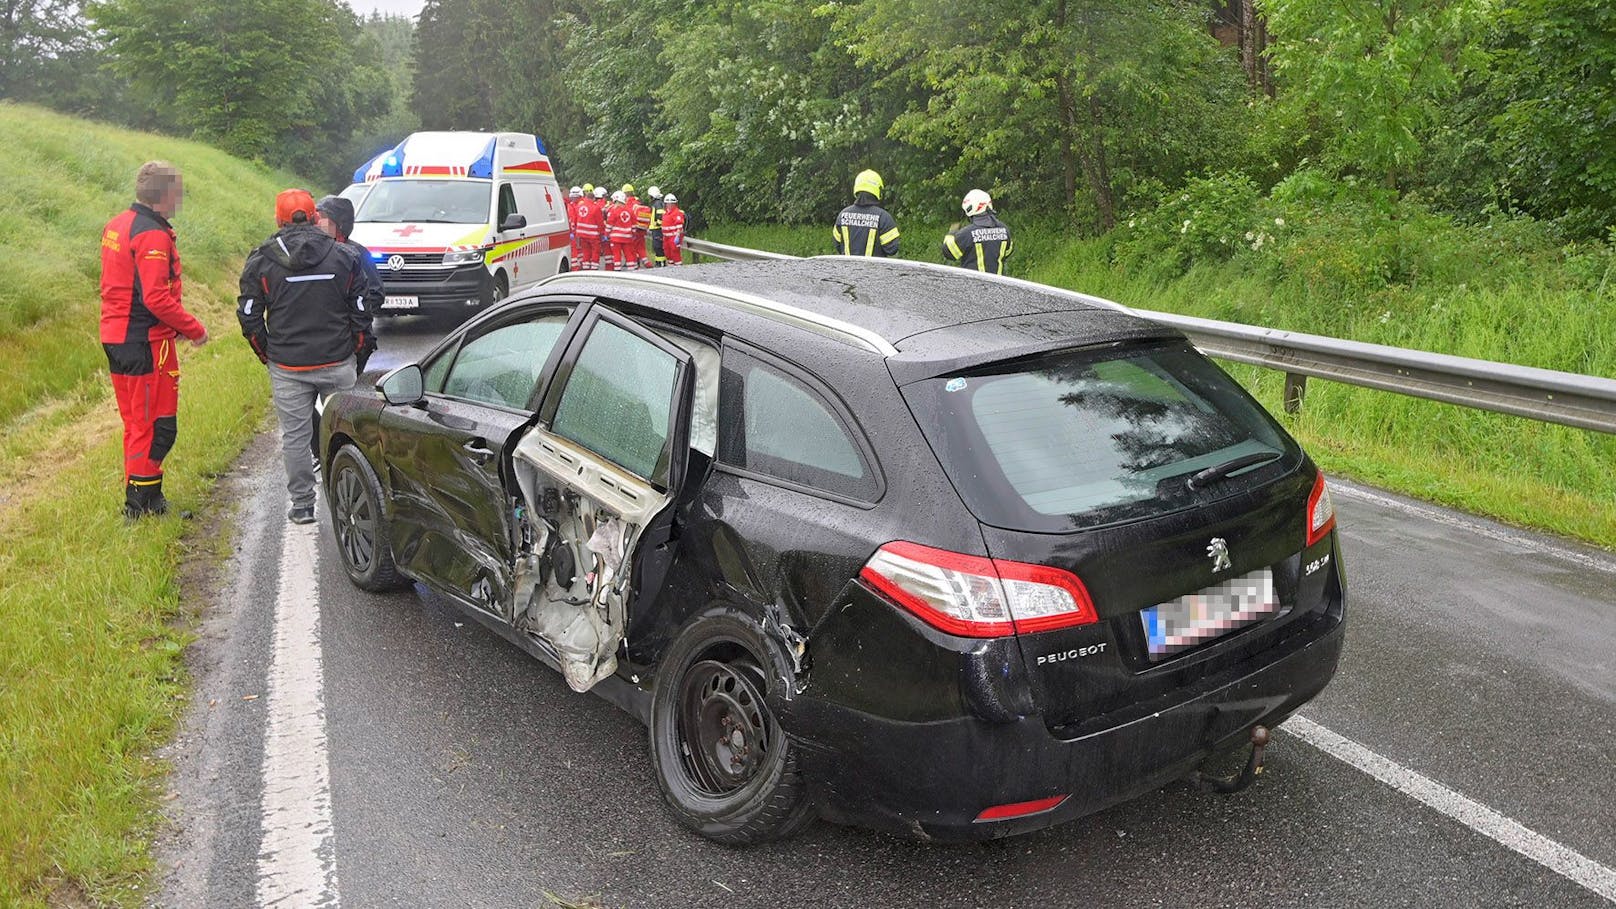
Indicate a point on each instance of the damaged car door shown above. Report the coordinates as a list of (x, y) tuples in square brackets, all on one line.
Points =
[(452, 513), (598, 468)]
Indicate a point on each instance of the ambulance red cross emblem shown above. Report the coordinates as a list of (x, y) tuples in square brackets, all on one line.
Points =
[(408, 230)]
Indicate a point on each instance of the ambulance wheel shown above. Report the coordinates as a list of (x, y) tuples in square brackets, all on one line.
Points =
[(565, 267), (502, 289)]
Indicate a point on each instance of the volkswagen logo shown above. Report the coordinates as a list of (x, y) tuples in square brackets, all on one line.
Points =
[(395, 263), (1218, 549)]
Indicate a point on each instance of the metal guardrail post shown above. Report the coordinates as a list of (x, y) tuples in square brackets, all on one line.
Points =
[(1570, 399)]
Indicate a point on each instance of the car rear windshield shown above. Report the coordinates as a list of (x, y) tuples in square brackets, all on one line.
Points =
[(1083, 438)]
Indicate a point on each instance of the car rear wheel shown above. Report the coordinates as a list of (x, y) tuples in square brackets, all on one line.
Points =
[(725, 767), (363, 540)]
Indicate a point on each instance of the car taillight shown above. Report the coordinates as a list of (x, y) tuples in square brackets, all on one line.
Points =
[(977, 597), (1020, 809), (1320, 511)]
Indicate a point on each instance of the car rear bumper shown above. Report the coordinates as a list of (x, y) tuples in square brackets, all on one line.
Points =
[(932, 779), (461, 289)]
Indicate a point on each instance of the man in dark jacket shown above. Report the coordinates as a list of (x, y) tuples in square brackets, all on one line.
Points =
[(865, 228), (302, 308), (984, 242), (335, 216)]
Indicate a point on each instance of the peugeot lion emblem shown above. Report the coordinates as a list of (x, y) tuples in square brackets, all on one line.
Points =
[(395, 263), (1218, 549)]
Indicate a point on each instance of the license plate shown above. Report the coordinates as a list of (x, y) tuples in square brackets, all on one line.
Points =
[(1209, 613), (401, 303)]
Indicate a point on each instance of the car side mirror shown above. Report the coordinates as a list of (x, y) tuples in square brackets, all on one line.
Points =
[(514, 222), (404, 385)]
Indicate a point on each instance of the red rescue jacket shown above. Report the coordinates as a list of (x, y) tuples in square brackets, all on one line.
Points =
[(673, 224), (620, 223), (589, 221), (140, 281)]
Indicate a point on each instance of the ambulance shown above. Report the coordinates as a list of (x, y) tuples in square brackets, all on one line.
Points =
[(456, 221)]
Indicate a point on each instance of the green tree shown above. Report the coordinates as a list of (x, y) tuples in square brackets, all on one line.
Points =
[(46, 54), (1373, 76)]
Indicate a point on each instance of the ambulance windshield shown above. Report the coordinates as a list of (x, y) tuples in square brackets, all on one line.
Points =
[(428, 201)]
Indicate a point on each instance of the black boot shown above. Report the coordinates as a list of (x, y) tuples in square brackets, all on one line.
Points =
[(144, 496)]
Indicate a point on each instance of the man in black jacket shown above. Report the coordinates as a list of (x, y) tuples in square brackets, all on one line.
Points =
[(865, 228), (302, 308), (984, 242)]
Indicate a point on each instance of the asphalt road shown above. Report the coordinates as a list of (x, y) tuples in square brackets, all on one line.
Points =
[(462, 773)]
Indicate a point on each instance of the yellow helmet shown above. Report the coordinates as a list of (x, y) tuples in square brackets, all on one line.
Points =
[(628, 188), (589, 188), (867, 181)]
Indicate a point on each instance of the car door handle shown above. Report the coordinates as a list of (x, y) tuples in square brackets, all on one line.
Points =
[(478, 450)]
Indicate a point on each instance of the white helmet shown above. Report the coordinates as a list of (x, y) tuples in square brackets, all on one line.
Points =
[(576, 191), (976, 202), (619, 196), (671, 199), (654, 192), (600, 192)]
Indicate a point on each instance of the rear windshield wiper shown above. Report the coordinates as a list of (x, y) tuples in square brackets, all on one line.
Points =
[(1219, 471)]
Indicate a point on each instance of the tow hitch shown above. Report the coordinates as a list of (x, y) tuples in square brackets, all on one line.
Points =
[(1247, 776)]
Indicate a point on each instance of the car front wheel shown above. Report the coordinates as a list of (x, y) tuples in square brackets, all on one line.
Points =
[(726, 769), (361, 527)]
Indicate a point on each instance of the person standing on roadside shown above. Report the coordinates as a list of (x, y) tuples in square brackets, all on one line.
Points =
[(658, 257), (984, 242), (334, 215), (865, 228), (302, 308), (142, 318), (673, 229)]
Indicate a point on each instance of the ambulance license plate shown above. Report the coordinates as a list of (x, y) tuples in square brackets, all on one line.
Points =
[(1209, 613), (401, 303)]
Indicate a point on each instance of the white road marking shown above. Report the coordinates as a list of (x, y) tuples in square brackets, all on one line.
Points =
[(1555, 856), (1478, 526), (297, 862)]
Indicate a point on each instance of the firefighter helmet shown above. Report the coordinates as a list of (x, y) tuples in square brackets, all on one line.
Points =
[(671, 199), (589, 189), (627, 189), (976, 202), (619, 196), (867, 181), (654, 193)]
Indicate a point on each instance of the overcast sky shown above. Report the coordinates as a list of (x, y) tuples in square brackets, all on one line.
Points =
[(395, 7)]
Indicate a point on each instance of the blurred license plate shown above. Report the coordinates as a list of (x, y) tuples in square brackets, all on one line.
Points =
[(401, 303), (1209, 613)]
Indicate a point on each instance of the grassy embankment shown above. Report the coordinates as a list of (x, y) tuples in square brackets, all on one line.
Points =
[(91, 639), (1505, 299)]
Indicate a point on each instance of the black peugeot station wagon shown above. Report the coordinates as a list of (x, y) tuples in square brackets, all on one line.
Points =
[(898, 545)]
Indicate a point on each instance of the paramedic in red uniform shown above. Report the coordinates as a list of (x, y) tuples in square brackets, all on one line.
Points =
[(673, 229), (574, 196), (621, 219), (589, 227), (142, 320)]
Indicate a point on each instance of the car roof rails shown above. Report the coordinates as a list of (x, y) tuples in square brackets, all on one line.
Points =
[(784, 313)]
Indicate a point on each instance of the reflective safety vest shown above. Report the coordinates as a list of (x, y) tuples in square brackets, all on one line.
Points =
[(657, 208), (865, 230), (983, 244)]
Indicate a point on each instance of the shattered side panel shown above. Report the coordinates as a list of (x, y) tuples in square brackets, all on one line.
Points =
[(580, 520)]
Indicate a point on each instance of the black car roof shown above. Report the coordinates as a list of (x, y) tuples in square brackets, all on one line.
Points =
[(924, 319)]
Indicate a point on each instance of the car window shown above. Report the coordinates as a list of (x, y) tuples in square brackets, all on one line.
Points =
[(530, 202), (617, 400), (1083, 438), (507, 204), (704, 409), (777, 426), (503, 366), (435, 371)]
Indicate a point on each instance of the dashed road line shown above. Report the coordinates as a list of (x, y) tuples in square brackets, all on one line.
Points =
[(1555, 856), (297, 862)]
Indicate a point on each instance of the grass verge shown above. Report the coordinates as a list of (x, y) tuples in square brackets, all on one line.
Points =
[(91, 639), (1522, 310)]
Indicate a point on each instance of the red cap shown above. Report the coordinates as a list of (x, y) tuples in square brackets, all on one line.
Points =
[(290, 202)]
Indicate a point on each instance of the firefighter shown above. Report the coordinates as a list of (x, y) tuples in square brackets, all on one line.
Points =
[(865, 228), (620, 226), (658, 203), (673, 228), (984, 242), (302, 308), (574, 196), (142, 319), (589, 226)]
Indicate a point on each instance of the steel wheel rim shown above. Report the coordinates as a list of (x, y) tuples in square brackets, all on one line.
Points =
[(355, 520), (724, 730)]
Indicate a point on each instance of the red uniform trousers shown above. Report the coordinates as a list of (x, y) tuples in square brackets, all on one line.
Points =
[(626, 255), (148, 403), (588, 254)]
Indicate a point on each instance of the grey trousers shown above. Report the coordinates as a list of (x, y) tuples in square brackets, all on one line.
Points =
[(294, 392)]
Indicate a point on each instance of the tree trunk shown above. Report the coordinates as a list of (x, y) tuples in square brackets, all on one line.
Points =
[(1099, 169)]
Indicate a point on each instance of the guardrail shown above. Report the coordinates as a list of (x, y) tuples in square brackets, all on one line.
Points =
[(1570, 399)]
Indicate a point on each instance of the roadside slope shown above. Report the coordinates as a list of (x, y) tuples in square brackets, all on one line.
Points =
[(91, 639)]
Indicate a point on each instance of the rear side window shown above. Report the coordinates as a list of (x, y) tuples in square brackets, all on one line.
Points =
[(775, 425), (617, 400), (501, 367), (1085, 438)]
